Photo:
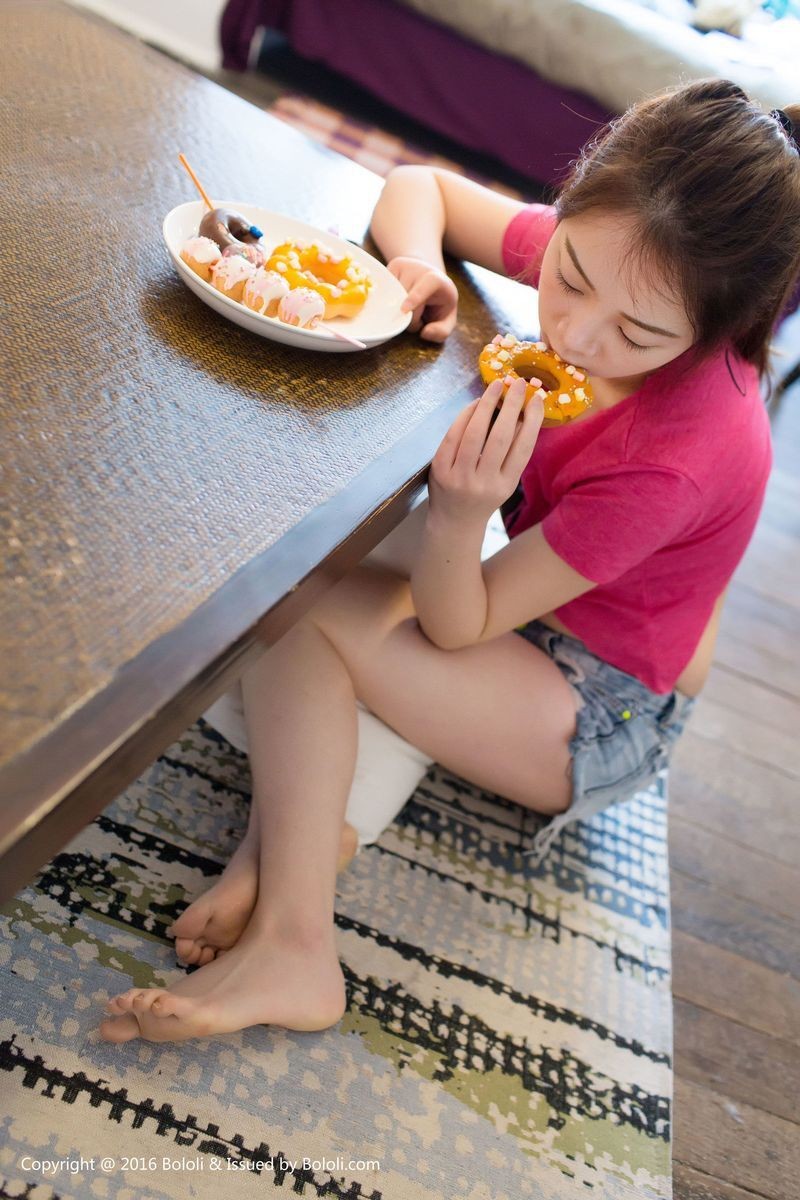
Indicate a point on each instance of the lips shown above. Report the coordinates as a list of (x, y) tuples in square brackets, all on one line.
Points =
[(575, 361)]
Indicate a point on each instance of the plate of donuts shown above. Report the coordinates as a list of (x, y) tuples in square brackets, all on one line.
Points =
[(283, 279)]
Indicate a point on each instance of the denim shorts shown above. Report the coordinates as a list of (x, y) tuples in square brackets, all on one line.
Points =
[(625, 732)]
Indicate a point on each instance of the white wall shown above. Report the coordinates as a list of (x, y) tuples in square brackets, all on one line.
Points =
[(186, 28)]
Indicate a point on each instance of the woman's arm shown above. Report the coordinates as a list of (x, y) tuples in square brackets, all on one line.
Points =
[(460, 601), (423, 209), (420, 210)]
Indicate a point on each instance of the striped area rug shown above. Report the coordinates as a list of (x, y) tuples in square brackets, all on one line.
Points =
[(508, 1031), (364, 143)]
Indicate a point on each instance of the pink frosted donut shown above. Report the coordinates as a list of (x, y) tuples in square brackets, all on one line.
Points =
[(200, 253), (252, 253), (230, 275), (264, 291), (301, 307)]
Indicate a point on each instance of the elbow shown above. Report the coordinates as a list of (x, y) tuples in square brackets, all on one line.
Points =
[(381, 221), (445, 639), (410, 170), (448, 644), (441, 640), (395, 177)]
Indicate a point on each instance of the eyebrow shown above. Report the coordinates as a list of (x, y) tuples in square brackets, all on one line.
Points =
[(587, 280)]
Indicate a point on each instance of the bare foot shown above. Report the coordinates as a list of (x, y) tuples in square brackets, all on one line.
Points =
[(217, 919), (265, 979)]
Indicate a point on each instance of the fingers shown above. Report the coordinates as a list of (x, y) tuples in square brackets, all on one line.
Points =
[(437, 331), (418, 293), (446, 454), (526, 432), (514, 432), (416, 319), (502, 447), (433, 300), (477, 431)]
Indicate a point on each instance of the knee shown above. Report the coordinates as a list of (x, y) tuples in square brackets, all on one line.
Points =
[(367, 599)]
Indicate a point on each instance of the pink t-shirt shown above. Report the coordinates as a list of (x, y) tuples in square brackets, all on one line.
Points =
[(654, 500)]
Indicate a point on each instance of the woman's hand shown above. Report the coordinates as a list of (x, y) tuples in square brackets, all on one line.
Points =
[(478, 465), (432, 296)]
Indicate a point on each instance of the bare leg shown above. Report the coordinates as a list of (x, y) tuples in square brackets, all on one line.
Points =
[(283, 970), (216, 920), (499, 713)]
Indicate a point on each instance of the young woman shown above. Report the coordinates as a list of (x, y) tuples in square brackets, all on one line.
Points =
[(558, 673)]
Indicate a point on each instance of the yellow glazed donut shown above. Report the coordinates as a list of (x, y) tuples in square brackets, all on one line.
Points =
[(341, 284), (564, 389)]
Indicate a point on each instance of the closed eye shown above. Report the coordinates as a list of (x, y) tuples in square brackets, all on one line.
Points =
[(628, 342), (573, 291), (567, 287)]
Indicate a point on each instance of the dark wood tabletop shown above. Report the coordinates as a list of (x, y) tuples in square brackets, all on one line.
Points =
[(176, 491)]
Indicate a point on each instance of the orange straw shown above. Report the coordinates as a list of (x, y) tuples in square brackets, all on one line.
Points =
[(195, 181)]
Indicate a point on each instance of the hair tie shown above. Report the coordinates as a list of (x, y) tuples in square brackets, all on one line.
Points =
[(787, 125)]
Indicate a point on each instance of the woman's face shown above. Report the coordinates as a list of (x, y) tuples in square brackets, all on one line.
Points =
[(596, 313)]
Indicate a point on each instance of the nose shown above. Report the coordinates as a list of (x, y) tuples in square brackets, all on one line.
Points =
[(579, 338)]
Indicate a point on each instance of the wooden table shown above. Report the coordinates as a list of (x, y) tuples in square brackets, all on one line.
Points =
[(176, 491)]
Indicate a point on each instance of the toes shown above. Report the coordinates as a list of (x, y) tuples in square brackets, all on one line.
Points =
[(119, 1029), (191, 922), (144, 1001), (124, 1001), (169, 1004), (188, 950), (207, 955)]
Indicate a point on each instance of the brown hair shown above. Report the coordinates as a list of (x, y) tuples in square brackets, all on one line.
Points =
[(714, 184)]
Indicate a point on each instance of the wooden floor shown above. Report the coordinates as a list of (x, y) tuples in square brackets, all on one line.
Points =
[(735, 857), (735, 871)]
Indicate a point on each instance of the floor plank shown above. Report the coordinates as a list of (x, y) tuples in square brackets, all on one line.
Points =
[(736, 1142), (729, 793), (754, 700), (767, 618), (760, 638), (690, 1184), (748, 993), (782, 503), (741, 1063), (743, 714), (734, 869), (771, 566), (737, 925)]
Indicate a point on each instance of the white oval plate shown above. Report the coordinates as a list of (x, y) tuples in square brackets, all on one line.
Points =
[(379, 319)]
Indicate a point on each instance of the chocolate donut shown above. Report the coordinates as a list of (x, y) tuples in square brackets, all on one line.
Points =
[(233, 233)]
